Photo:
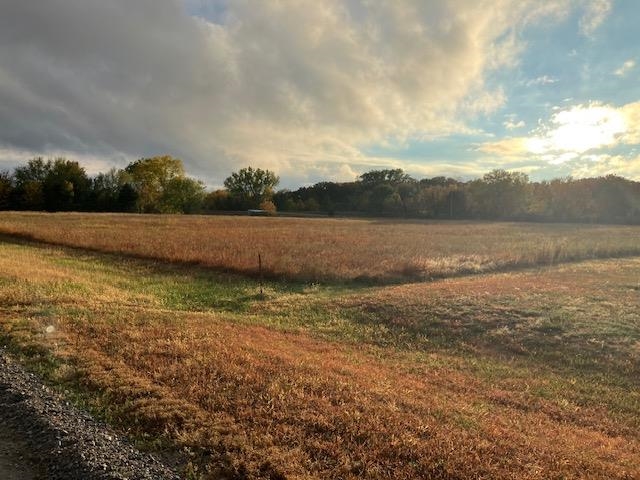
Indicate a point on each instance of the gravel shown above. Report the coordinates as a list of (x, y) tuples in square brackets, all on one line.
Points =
[(64, 442)]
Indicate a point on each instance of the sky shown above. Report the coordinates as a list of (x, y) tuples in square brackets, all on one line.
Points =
[(324, 90)]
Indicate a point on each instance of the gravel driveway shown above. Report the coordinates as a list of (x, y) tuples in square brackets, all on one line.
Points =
[(43, 436)]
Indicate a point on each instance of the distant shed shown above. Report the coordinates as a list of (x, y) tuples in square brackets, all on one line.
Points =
[(257, 213)]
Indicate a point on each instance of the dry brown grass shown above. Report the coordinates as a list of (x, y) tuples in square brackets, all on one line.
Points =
[(328, 249), (265, 402), (252, 401)]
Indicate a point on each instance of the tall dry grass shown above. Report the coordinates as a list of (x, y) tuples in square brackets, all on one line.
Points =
[(328, 249)]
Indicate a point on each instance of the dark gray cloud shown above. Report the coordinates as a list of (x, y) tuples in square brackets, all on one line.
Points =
[(100, 77)]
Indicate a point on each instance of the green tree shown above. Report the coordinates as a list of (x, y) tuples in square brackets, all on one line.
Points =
[(6, 190), (434, 200), (36, 170), (29, 180), (150, 177), (127, 199), (386, 191), (217, 200), (182, 195), (66, 186), (252, 186), (499, 194), (105, 190), (383, 197), (389, 176)]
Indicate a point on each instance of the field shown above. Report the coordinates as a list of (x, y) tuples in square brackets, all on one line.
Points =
[(329, 250), (154, 324)]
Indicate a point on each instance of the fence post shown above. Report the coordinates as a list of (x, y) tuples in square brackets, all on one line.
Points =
[(260, 274)]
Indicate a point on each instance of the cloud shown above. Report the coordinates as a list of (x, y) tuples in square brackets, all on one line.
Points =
[(543, 80), (93, 164), (284, 84), (512, 124), (582, 128), (602, 165), (625, 68), (596, 12), (510, 147), (575, 130), (485, 102), (631, 114), (580, 139)]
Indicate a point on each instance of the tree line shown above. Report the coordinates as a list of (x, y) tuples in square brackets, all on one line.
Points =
[(148, 185), (160, 185), (499, 195)]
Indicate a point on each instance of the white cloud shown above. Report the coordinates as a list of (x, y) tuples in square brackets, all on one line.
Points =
[(543, 80), (485, 102), (596, 12), (625, 68), (577, 129), (510, 147), (512, 124), (445, 168), (286, 84), (559, 159), (602, 165), (578, 137), (583, 128), (631, 113)]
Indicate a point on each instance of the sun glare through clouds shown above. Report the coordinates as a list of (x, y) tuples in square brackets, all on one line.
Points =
[(573, 132), (584, 128)]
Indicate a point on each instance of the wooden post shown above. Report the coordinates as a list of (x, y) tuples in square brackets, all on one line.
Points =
[(260, 274)]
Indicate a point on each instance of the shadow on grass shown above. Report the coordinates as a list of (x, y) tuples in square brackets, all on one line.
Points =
[(545, 337), (534, 335), (181, 286)]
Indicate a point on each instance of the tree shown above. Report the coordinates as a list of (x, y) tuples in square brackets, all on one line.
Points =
[(499, 194), (390, 176), (383, 197), (182, 195), (66, 186), (614, 200), (435, 200), (386, 191), (252, 186), (36, 170), (268, 206), (160, 186), (6, 190), (217, 200), (105, 190), (29, 180), (149, 177), (127, 199), (52, 185)]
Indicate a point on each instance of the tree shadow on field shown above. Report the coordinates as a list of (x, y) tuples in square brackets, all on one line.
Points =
[(188, 287)]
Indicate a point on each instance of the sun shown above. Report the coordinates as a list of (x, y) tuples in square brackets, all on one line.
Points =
[(580, 129)]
